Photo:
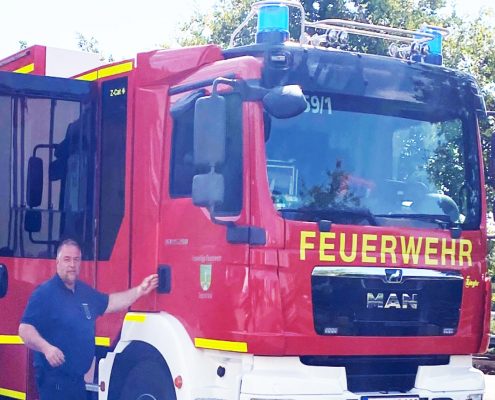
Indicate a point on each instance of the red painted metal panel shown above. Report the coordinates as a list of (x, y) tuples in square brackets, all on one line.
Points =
[(32, 55), (160, 65)]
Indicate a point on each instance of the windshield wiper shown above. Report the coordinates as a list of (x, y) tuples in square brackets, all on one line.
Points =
[(442, 220), (331, 214)]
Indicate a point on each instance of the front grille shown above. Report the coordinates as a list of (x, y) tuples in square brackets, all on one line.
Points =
[(357, 301), (377, 374)]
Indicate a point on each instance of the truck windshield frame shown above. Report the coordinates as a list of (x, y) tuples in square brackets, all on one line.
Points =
[(362, 161)]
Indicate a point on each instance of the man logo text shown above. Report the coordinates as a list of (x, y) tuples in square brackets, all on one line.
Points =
[(402, 301)]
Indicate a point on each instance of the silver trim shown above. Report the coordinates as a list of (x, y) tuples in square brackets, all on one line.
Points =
[(92, 387), (379, 31), (379, 273), (358, 28)]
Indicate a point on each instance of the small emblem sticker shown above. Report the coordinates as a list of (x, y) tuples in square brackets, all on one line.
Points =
[(393, 275), (205, 276), (470, 283)]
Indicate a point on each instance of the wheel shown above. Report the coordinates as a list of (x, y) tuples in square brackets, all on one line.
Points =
[(148, 380)]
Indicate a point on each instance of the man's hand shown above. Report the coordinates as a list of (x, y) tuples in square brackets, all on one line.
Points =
[(32, 339), (147, 285), (123, 300), (54, 356)]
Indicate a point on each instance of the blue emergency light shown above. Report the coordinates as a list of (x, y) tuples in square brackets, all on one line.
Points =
[(273, 24), (434, 55)]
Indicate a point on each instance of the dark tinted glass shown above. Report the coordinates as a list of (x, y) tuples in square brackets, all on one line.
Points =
[(385, 159), (57, 134), (182, 169), (112, 178)]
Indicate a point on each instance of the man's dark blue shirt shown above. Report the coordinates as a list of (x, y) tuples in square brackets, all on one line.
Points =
[(66, 319)]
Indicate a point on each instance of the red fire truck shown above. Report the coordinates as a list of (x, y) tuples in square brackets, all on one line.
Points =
[(317, 217)]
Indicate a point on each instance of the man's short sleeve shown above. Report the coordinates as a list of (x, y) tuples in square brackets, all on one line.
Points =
[(100, 302), (35, 312)]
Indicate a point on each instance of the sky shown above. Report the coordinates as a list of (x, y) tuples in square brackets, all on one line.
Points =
[(122, 28)]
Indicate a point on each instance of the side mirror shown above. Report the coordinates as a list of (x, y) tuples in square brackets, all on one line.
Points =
[(32, 221), (208, 190), (210, 130), (285, 101), (4, 280), (34, 184)]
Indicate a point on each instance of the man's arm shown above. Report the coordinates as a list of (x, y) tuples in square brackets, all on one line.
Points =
[(32, 339), (123, 300)]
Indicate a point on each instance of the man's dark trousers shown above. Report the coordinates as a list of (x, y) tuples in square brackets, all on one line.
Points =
[(57, 386)]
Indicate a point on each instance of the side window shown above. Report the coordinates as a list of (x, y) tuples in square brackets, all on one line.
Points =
[(46, 164), (112, 173), (182, 169)]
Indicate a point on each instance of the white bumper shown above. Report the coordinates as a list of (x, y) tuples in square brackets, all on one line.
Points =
[(288, 379)]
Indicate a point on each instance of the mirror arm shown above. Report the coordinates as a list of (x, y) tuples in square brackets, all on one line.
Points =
[(217, 221), (230, 82), (47, 242), (251, 92), (43, 146)]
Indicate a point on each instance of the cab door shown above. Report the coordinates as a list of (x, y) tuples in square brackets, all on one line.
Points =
[(47, 159), (208, 264)]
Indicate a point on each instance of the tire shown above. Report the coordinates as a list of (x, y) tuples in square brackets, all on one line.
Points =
[(148, 380)]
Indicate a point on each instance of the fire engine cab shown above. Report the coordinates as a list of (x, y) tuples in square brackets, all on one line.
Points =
[(317, 216)]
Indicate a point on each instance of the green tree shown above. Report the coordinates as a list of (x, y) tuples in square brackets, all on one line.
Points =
[(91, 46)]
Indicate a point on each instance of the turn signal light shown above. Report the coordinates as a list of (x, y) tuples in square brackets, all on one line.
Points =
[(178, 381)]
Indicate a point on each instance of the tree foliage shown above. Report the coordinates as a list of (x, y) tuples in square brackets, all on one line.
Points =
[(91, 46)]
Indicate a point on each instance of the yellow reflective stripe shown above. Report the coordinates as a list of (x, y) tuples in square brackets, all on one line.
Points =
[(92, 76), (13, 339), (135, 317), (26, 69), (115, 69), (107, 71), (240, 347), (102, 341), (10, 339), (14, 394)]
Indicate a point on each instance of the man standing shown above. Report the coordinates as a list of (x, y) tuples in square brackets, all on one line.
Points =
[(59, 324)]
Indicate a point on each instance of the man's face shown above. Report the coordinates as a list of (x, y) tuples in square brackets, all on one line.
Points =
[(68, 264)]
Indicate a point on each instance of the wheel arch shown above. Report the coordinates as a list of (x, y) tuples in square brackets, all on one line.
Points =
[(132, 355), (150, 336)]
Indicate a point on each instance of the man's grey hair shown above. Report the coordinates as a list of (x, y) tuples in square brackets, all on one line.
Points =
[(67, 242)]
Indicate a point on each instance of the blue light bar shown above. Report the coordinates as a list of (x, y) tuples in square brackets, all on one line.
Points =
[(273, 24), (435, 46)]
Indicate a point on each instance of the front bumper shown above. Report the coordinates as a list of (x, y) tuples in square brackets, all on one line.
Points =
[(287, 378)]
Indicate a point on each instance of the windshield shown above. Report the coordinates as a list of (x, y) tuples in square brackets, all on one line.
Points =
[(352, 160)]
